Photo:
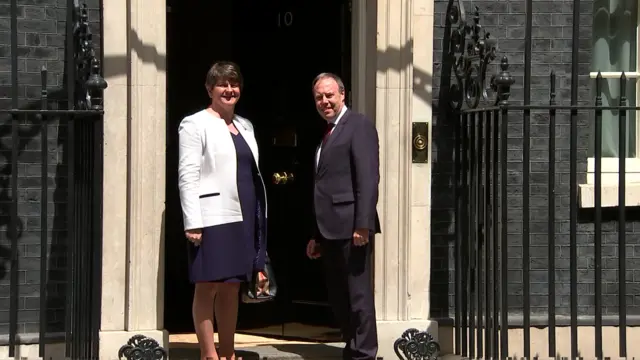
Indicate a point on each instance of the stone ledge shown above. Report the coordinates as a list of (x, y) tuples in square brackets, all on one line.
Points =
[(53, 351), (609, 197)]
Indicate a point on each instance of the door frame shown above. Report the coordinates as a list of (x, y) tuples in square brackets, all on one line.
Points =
[(363, 78), (361, 75)]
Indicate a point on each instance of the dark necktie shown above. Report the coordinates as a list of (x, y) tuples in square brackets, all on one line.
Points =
[(327, 132)]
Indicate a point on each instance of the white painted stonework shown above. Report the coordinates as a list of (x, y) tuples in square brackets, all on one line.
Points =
[(134, 176), (402, 257)]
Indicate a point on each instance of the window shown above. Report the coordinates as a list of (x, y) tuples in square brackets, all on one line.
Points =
[(615, 50), (615, 34)]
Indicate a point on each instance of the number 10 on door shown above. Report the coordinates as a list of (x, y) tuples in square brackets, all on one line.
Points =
[(285, 19)]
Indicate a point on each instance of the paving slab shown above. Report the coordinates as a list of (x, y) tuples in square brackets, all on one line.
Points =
[(325, 351)]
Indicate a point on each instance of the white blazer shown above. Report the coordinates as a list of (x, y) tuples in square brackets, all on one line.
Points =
[(207, 170)]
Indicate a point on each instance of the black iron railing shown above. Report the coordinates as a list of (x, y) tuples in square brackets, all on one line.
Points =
[(519, 207), (69, 241)]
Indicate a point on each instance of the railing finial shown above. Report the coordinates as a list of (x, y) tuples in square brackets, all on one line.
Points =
[(90, 83), (502, 83), (95, 85)]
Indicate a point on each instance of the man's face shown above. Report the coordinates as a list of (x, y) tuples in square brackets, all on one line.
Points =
[(328, 97)]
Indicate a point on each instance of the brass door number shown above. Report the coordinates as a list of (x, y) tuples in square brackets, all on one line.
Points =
[(419, 146)]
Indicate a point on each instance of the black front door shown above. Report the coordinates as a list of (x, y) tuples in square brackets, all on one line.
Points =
[(280, 46)]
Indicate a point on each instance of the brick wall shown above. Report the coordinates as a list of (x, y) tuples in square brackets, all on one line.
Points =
[(551, 50), (41, 43)]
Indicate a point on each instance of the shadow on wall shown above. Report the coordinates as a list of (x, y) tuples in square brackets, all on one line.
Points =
[(387, 60), (27, 232)]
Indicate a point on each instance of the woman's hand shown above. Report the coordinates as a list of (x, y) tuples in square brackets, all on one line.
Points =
[(194, 235)]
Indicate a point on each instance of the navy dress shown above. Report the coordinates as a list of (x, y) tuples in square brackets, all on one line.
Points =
[(227, 252)]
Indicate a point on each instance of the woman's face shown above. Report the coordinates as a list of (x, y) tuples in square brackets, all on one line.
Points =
[(225, 93)]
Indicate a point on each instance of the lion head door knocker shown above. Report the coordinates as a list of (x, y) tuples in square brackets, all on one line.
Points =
[(416, 345)]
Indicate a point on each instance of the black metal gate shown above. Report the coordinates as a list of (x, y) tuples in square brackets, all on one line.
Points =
[(520, 212), (51, 195)]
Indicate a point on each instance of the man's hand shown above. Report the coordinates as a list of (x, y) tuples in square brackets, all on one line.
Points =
[(263, 283), (313, 249), (194, 235), (360, 237)]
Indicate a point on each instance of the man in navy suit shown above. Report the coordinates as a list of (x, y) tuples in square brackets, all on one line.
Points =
[(344, 198)]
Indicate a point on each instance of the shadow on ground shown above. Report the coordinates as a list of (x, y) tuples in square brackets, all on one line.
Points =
[(269, 352)]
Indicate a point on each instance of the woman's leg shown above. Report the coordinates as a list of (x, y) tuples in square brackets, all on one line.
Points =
[(226, 305), (203, 299)]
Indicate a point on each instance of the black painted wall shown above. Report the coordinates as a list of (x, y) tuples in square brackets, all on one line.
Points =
[(41, 43), (552, 41)]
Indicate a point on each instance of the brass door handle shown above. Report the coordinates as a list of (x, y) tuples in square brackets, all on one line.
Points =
[(282, 178)]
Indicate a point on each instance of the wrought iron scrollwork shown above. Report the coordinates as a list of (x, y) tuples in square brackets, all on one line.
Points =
[(140, 347), (90, 84), (471, 51), (416, 345)]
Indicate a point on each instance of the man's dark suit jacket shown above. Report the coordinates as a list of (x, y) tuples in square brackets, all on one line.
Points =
[(347, 177)]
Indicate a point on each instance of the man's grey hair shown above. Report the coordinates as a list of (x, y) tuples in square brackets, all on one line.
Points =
[(328, 75)]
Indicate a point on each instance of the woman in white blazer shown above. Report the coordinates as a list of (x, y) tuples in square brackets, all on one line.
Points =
[(224, 208)]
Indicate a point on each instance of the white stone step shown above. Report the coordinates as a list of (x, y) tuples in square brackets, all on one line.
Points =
[(329, 351)]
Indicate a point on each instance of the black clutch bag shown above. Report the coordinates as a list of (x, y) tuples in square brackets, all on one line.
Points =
[(252, 293)]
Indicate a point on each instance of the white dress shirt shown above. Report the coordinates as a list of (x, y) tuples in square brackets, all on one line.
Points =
[(335, 123)]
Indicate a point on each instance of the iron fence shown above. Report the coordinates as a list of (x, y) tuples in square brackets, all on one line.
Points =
[(70, 259), (501, 168)]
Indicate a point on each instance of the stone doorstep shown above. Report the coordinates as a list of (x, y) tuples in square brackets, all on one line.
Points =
[(283, 351)]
